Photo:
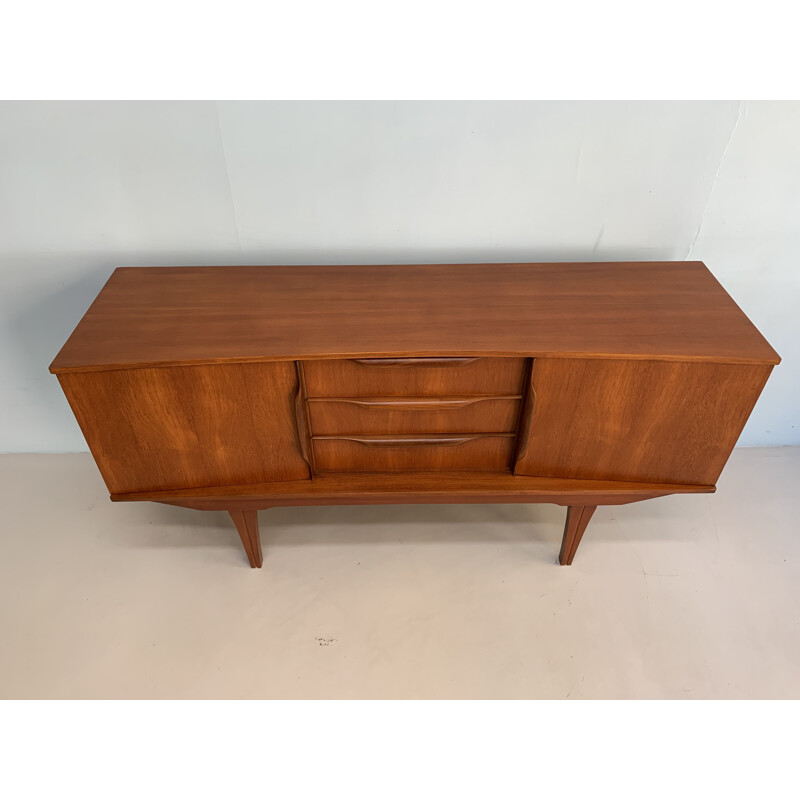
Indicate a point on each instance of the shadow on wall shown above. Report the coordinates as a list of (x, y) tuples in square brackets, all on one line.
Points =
[(58, 289)]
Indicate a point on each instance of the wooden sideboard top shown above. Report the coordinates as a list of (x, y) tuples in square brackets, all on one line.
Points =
[(673, 310)]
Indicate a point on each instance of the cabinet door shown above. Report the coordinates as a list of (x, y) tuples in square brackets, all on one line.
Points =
[(655, 421), (187, 427)]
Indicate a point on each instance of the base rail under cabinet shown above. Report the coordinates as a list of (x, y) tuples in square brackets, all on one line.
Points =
[(582, 497)]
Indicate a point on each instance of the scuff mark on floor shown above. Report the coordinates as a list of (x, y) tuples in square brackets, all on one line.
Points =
[(574, 684)]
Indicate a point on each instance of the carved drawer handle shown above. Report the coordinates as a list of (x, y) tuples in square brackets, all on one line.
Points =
[(413, 403), (409, 362), (448, 441)]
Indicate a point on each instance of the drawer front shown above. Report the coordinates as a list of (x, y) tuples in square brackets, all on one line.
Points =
[(368, 377), (330, 416), (413, 453)]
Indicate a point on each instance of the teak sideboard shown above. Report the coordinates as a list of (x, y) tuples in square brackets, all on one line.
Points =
[(243, 388)]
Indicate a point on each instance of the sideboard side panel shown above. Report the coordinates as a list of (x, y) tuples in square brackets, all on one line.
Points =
[(187, 427), (630, 420)]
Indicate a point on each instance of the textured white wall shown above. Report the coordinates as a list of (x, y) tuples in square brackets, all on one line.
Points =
[(86, 187)]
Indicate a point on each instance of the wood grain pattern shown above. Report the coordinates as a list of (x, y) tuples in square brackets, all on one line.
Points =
[(190, 315), (423, 378), (660, 422), (182, 427), (420, 487), (413, 453), (474, 414), (246, 522), (577, 519)]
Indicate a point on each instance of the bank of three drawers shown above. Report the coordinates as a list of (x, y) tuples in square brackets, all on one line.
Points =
[(413, 414)]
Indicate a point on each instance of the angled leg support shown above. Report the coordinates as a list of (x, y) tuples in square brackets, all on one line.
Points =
[(577, 519), (246, 523)]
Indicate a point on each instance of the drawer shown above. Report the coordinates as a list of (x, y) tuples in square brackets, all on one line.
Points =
[(410, 453), (368, 377), (390, 415)]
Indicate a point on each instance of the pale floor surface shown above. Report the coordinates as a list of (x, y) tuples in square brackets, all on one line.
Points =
[(680, 597)]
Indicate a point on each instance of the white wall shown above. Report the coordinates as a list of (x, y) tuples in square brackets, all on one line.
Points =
[(86, 187)]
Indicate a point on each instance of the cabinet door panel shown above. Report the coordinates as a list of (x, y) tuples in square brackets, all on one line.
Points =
[(186, 427), (655, 421)]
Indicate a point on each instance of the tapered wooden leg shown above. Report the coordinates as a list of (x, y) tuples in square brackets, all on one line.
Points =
[(246, 523), (577, 519)]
